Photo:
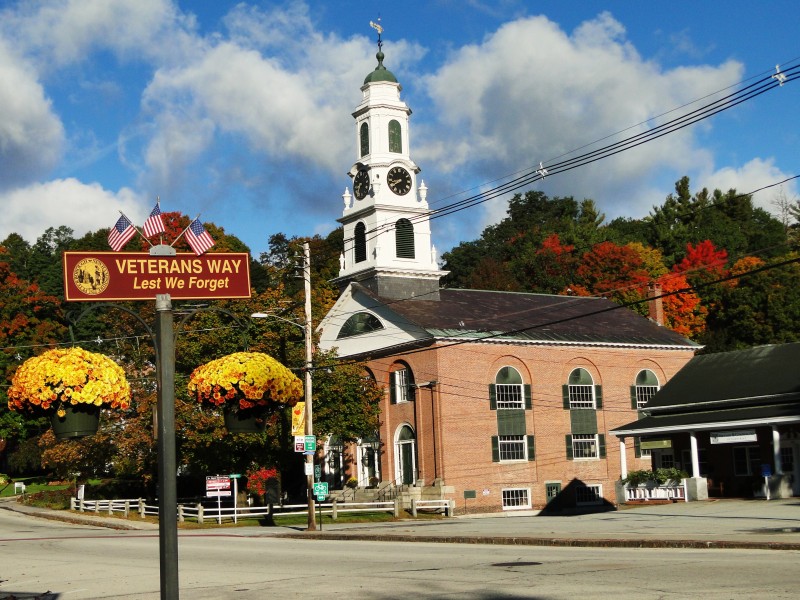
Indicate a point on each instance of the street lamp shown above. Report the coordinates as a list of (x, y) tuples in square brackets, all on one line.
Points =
[(307, 336)]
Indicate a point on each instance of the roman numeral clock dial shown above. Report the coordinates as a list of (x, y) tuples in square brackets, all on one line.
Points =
[(361, 185), (399, 180)]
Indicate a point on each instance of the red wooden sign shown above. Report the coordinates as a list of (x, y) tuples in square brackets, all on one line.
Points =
[(101, 276)]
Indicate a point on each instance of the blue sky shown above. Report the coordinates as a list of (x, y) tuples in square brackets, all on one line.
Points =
[(241, 111)]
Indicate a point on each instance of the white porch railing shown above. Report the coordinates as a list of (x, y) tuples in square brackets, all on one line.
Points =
[(670, 491)]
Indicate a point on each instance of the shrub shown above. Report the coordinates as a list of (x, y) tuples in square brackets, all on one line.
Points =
[(638, 477), (673, 474), (659, 476)]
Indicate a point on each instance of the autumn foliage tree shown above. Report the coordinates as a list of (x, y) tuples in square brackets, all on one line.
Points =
[(610, 270)]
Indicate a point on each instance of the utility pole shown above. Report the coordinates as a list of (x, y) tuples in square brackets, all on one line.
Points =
[(309, 465)]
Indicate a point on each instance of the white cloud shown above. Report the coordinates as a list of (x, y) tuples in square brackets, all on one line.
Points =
[(62, 32), (283, 114), (531, 92), (29, 210), (751, 176), (31, 136)]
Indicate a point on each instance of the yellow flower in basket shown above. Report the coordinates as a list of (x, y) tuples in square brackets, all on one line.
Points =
[(71, 376), (244, 380)]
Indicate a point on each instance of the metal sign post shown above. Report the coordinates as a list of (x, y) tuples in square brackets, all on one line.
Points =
[(99, 277), (167, 467)]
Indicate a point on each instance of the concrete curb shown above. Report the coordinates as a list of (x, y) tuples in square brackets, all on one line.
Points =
[(539, 541)]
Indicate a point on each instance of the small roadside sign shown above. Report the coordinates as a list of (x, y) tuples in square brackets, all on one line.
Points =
[(235, 476), (299, 443), (310, 443), (321, 488), (218, 485)]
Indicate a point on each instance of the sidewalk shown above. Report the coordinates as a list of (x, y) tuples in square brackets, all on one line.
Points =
[(760, 524), (67, 516)]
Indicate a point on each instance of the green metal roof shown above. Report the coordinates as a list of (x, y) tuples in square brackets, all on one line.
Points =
[(380, 73), (758, 375), (712, 419), (757, 385)]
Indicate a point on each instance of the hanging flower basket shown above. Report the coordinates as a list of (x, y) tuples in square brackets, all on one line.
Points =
[(76, 421), (252, 420), (247, 386), (71, 385)]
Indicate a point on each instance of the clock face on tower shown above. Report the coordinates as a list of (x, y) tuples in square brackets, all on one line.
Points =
[(361, 184), (399, 180)]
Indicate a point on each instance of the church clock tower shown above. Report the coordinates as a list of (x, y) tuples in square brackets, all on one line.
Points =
[(387, 236)]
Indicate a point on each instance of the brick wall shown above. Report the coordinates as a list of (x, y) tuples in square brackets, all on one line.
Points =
[(454, 425)]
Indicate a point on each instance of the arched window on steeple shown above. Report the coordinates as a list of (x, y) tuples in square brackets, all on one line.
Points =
[(404, 238), (395, 139), (360, 243), (364, 138)]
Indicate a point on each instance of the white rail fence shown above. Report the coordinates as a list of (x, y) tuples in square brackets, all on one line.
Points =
[(201, 514), (675, 492)]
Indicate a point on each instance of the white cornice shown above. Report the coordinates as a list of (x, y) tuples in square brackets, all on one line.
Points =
[(707, 426), (515, 342)]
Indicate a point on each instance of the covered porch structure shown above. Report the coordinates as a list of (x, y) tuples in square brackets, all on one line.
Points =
[(731, 420)]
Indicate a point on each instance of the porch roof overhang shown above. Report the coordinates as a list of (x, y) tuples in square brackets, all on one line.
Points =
[(752, 416)]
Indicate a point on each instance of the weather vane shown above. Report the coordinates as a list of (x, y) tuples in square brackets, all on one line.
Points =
[(379, 28)]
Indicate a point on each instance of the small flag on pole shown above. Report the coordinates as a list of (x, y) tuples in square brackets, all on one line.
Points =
[(154, 224), (198, 237), (121, 233)]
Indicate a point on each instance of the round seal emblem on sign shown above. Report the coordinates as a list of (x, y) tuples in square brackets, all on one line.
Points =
[(91, 276)]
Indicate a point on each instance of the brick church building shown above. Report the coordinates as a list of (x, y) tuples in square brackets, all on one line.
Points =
[(497, 400)]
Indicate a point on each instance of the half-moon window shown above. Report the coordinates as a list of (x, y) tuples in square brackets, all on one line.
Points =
[(359, 323)]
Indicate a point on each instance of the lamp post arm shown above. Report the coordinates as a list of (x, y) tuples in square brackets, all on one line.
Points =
[(263, 315)]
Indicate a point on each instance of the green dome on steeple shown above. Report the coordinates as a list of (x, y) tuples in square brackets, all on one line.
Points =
[(380, 73)]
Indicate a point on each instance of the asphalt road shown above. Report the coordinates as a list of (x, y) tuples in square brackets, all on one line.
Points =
[(50, 559)]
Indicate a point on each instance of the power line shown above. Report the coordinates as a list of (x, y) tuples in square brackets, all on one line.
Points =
[(533, 174)]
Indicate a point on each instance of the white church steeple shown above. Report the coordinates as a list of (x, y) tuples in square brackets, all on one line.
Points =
[(387, 236)]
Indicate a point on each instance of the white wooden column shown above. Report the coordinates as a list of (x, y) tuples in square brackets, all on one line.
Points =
[(623, 459), (695, 454), (776, 450)]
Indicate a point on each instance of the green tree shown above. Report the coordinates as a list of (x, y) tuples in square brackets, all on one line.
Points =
[(762, 308), (346, 398)]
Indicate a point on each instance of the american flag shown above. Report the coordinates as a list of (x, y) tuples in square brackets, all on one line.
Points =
[(198, 237), (121, 233), (154, 224)]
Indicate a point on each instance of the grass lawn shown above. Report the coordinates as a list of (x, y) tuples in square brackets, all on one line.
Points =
[(32, 486)]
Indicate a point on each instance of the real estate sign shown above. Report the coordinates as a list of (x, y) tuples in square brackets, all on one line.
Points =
[(101, 276), (218, 485)]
